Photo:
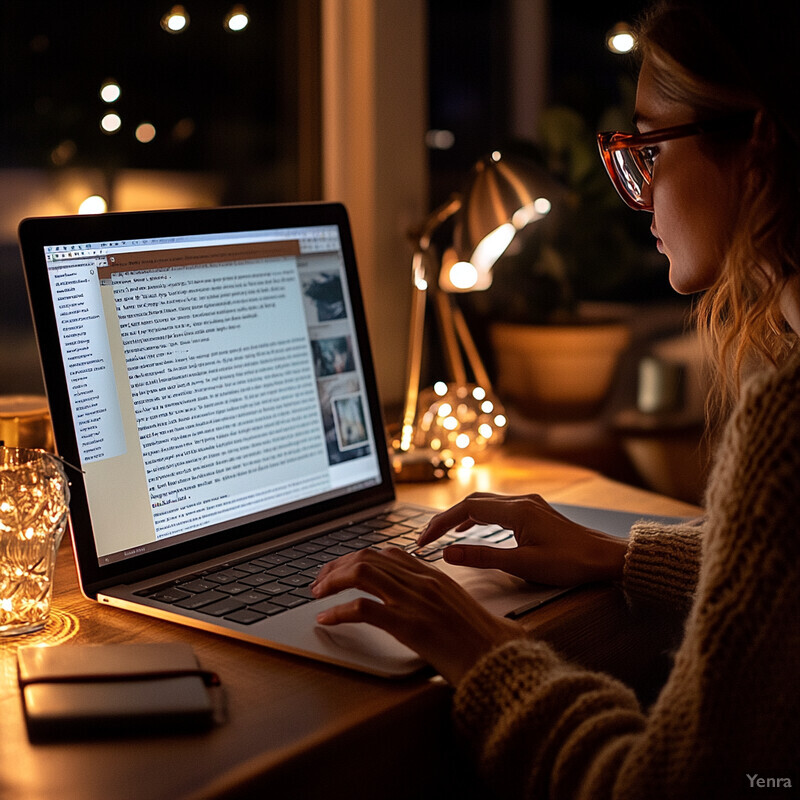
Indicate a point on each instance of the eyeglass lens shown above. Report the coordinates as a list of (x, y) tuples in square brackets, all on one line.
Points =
[(633, 173)]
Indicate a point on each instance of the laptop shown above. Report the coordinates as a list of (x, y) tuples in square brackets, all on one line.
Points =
[(209, 375)]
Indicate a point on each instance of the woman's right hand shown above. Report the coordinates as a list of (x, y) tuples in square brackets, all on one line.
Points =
[(550, 548)]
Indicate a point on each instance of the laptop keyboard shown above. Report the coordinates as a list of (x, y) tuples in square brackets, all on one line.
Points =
[(253, 588)]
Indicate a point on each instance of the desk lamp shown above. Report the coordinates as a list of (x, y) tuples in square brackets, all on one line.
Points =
[(454, 421)]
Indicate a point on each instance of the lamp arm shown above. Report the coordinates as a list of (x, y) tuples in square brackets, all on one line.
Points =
[(419, 288), (468, 343), (415, 339), (434, 220), (447, 324)]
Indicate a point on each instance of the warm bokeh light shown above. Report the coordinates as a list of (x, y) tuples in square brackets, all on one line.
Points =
[(111, 122), (455, 424), (63, 153), (93, 205), (110, 91), (145, 132), (437, 139), (620, 39), (176, 20), (463, 275), (183, 129), (492, 246), (237, 19)]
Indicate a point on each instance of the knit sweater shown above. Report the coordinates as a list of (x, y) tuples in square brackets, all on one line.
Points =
[(728, 716)]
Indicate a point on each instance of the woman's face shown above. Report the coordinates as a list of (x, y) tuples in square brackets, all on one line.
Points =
[(694, 197)]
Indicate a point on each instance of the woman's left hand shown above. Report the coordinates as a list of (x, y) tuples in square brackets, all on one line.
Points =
[(421, 606)]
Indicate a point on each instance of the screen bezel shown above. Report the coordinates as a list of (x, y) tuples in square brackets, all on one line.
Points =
[(38, 232)]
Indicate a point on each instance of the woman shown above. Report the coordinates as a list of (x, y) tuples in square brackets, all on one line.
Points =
[(717, 162)]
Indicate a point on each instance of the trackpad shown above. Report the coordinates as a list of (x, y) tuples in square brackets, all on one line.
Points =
[(378, 649)]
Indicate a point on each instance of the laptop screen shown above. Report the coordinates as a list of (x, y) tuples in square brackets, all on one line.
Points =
[(213, 380)]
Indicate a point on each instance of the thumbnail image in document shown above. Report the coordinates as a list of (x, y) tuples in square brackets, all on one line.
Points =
[(348, 417), (323, 297), (333, 356), (343, 418)]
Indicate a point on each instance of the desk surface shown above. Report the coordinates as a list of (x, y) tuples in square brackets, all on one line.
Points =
[(292, 721)]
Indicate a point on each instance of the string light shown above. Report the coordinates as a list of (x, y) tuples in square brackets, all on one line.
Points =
[(111, 122), (237, 19), (176, 20), (145, 132), (110, 91), (459, 422)]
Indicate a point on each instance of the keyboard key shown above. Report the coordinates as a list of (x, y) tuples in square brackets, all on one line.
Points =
[(272, 588), (170, 595), (257, 580), (270, 560), (222, 608), (343, 535), (246, 566), (281, 571), (310, 547), (251, 597), (154, 589), (378, 523), (197, 585), (361, 543), (267, 608), (359, 529), (403, 541), (400, 515), (200, 600), (245, 616), (398, 529), (326, 540), (339, 550), (234, 588), (301, 564), (226, 576), (292, 552), (287, 601), (323, 558), (376, 536), (296, 580), (385, 545)]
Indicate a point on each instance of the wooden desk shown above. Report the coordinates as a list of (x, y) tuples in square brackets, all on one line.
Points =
[(295, 723)]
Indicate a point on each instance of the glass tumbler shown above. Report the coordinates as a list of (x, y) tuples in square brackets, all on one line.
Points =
[(34, 499)]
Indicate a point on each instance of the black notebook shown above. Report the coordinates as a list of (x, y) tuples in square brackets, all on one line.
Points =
[(97, 690)]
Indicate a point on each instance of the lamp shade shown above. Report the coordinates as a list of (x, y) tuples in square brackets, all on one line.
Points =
[(501, 197)]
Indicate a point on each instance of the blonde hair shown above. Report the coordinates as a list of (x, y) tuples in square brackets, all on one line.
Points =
[(739, 318)]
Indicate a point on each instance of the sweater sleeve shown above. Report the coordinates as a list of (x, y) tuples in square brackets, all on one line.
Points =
[(662, 565), (729, 712)]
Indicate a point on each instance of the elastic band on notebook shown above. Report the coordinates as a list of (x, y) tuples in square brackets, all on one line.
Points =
[(208, 678)]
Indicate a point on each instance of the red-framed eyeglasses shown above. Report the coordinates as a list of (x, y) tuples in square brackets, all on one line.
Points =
[(629, 158)]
